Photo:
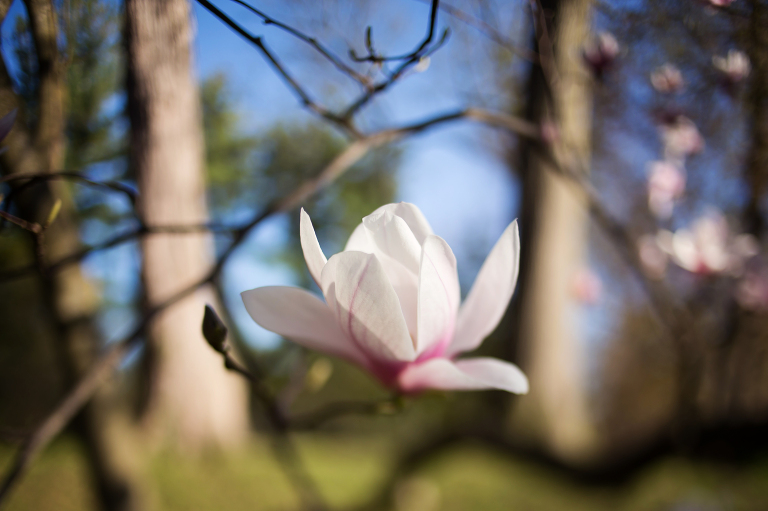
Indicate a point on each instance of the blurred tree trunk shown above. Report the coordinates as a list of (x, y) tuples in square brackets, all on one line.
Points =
[(70, 300), (189, 396), (735, 382), (554, 227)]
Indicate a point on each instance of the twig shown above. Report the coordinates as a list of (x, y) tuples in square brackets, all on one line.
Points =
[(53, 424), (415, 54), (119, 239), (304, 97), (488, 31), (325, 52)]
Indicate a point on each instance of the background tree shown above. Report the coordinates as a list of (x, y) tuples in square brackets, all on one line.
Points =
[(188, 395)]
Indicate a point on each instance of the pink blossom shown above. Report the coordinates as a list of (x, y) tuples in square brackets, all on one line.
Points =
[(392, 305), (681, 138), (667, 79), (710, 247), (666, 183), (600, 52), (752, 289), (586, 286), (735, 67), (721, 3)]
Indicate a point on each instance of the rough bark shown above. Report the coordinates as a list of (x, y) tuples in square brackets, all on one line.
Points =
[(554, 231), (70, 300), (189, 395)]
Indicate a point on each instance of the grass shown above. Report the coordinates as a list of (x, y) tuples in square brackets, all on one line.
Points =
[(350, 469)]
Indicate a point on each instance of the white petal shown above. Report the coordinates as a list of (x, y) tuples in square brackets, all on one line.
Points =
[(405, 281), (313, 254), (301, 317), (415, 220), (439, 294), (392, 237), (412, 216), (359, 241), (469, 374), (490, 294), (366, 306)]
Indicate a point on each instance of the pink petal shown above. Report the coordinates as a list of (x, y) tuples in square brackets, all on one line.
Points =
[(313, 254), (469, 374), (439, 294), (490, 294), (301, 317), (366, 306)]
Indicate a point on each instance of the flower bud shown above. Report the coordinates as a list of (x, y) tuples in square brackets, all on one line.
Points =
[(214, 330)]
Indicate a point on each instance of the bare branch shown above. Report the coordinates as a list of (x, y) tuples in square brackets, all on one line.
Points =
[(415, 54), (325, 52), (304, 97)]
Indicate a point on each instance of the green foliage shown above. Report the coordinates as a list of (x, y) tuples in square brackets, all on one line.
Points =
[(90, 28), (229, 154)]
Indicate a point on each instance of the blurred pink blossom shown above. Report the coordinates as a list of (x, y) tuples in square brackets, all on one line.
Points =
[(587, 286), (735, 67), (666, 183), (392, 305), (600, 52), (752, 289), (721, 3), (667, 79), (710, 247), (681, 138)]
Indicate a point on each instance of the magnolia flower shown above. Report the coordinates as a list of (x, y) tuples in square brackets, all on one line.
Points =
[(681, 138), (666, 183), (392, 305), (710, 247), (735, 67), (667, 78), (600, 52)]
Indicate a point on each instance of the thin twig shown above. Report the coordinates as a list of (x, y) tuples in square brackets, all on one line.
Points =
[(488, 31), (54, 423), (415, 54), (325, 52), (303, 95)]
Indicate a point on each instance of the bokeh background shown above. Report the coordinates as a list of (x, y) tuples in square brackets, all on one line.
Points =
[(640, 313)]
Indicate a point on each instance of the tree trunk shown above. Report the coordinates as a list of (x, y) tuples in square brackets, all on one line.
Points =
[(189, 394), (555, 222), (735, 385), (70, 300)]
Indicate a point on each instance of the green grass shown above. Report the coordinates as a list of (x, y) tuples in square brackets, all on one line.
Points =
[(350, 469)]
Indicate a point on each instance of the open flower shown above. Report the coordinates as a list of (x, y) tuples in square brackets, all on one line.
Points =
[(600, 52), (392, 304), (667, 79), (711, 248), (735, 67)]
